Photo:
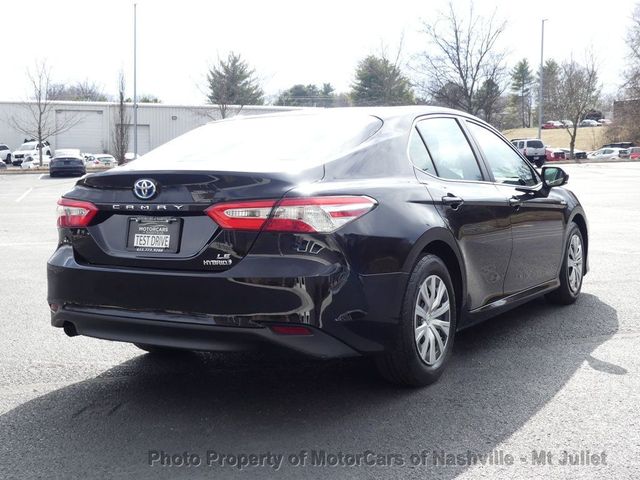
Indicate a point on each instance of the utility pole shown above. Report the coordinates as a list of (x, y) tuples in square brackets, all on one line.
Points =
[(135, 91), (540, 106)]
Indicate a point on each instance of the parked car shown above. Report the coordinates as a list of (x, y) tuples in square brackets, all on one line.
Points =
[(577, 154), (634, 153), (5, 153), (34, 162), (532, 148), (554, 154), (319, 236), (104, 160), (30, 149), (566, 123), (609, 153), (605, 121), (589, 123), (69, 152), (67, 165), (619, 145), (552, 124)]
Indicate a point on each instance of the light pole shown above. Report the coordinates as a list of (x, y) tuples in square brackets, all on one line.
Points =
[(541, 81), (135, 91)]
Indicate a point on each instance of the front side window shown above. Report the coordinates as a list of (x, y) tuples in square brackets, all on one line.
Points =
[(450, 151), (505, 164)]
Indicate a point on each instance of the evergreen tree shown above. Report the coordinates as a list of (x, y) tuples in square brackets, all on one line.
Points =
[(380, 82), (233, 82), (521, 81)]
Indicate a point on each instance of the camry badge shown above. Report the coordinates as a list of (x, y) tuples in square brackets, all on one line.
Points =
[(144, 189)]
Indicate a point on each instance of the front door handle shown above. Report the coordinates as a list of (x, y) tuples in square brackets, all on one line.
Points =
[(452, 201), (515, 202)]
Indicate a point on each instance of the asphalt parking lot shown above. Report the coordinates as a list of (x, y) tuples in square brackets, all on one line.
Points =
[(526, 386)]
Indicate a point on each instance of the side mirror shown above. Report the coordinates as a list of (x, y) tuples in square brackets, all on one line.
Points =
[(554, 177)]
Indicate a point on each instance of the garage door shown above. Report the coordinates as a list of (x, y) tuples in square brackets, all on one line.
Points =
[(144, 139), (85, 132)]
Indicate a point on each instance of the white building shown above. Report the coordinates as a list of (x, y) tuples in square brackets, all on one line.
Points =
[(94, 123)]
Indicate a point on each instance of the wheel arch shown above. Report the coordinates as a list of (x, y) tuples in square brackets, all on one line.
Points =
[(579, 218), (440, 242)]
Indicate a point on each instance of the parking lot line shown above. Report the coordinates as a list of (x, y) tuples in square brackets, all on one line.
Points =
[(21, 197)]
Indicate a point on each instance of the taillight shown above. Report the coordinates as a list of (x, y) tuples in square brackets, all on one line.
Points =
[(306, 214), (75, 213)]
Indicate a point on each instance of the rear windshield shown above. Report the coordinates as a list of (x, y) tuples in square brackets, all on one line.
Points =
[(275, 143), (535, 144)]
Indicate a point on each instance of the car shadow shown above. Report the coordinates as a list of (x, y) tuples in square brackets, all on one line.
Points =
[(502, 373)]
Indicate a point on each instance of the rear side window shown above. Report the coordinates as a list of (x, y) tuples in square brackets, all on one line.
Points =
[(4, 147), (419, 154), (535, 144), (450, 151)]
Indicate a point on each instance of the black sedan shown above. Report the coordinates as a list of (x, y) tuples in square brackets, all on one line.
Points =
[(377, 231), (66, 165)]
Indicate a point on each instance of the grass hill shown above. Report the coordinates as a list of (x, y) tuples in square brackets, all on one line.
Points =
[(588, 138)]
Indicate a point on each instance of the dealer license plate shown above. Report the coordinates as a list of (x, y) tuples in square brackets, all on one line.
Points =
[(153, 234)]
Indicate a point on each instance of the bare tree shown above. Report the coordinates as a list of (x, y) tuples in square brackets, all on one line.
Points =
[(120, 132), (579, 91), (40, 122), (463, 66), (84, 90)]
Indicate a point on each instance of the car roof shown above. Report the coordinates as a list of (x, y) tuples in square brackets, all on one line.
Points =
[(384, 113)]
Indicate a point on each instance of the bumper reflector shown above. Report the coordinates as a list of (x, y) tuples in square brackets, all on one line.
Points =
[(291, 330)]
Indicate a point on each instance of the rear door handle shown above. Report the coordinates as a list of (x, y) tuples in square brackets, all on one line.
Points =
[(452, 201)]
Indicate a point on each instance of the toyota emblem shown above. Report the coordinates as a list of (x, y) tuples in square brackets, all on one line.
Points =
[(144, 189)]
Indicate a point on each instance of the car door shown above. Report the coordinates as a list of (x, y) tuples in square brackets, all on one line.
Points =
[(537, 219), (472, 208)]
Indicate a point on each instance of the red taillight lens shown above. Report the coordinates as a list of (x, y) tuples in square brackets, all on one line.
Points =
[(75, 213), (307, 214)]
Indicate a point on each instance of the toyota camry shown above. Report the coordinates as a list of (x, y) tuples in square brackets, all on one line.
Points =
[(334, 233)]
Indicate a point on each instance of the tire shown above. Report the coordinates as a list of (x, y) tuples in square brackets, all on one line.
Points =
[(539, 163), (574, 260), (405, 364), (159, 350)]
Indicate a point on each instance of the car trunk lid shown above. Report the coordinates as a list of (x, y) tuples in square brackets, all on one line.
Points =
[(170, 229)]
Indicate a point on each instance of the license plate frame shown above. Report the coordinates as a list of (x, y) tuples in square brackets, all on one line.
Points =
[(146, 228)]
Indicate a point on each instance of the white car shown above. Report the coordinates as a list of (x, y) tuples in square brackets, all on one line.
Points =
[(100, 159), (34, 162), (30, 150), (532, 148), (5, 153), (609, 153), (589, 123)]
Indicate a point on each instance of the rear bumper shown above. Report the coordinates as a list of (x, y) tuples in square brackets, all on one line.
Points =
[(165, 330), (229, 310), (67, 170)]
